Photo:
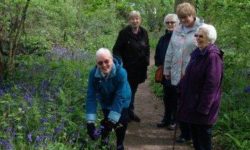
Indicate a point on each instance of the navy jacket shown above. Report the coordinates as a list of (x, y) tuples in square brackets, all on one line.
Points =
[(162, 47), (201, 87)]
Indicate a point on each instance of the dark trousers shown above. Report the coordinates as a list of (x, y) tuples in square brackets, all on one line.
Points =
[(201, 136), (120, 131), (185, 130), (170, 98), (133, 86)]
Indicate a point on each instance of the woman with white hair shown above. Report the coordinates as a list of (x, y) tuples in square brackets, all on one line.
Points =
[(108, 85), (168, 120), (132, 46), (201, 88)]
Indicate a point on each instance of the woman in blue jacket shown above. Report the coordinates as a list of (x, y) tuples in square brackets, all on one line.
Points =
[(108, 86), (170, 21)]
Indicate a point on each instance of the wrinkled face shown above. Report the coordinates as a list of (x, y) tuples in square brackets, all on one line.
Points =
[(202, 39), (187, 21), (135, 21), (105, 63), (170, 24)]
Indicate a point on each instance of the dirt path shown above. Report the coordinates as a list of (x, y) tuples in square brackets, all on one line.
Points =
[(145, 135)]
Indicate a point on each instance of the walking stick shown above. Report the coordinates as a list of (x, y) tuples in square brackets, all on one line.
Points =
[(174, 138)]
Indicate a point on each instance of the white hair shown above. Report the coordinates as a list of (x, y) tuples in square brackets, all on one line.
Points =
[(210, 32), (134, 13), (103, 51), (174, 18)]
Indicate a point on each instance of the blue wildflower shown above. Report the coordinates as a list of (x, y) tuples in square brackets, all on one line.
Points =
[(28, 98), (247, 89), (5, 144), (29, 137)]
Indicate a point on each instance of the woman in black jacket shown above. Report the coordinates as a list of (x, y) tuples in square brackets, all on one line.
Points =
[(132, 45), (170, 20)]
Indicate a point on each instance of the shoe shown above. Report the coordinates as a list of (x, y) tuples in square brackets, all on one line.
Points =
[(172, 126), (135, 118), (162, 124), (120, 147), (182, 140)]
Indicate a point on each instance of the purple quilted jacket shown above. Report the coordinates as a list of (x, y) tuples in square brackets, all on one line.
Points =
[(201, 87)]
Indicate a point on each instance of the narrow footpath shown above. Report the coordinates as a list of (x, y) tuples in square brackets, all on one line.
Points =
[(145, 135)]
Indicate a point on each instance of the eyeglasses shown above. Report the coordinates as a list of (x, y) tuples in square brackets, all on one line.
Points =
[(170, 22), (100, 63), (198, 35)]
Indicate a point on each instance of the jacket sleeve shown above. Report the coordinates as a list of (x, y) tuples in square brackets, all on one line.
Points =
[(119, 45), (91, 102), (147, 48), (212, 83), (122, 96), (157, 53), (168, 58)]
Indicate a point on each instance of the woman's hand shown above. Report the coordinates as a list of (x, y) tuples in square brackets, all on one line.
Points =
[(167, 77)]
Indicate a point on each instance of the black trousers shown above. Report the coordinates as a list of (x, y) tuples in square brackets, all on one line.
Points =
[(120, 131), (201, 136), (185, 130), (134, 87), (170, 98)]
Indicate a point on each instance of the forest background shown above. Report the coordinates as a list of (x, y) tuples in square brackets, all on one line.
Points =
[(47, 48)]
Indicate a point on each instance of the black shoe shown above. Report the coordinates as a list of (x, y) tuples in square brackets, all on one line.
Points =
[(172, 126), (182, 140), (120, 147), (162, 124), (135, 118)]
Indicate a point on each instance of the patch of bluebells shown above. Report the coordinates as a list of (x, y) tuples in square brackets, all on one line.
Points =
[(247, 89), (33, 89), (62, 53), (59, 129), (6, 145)]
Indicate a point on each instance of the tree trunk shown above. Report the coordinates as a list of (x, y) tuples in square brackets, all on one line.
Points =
[(14, 38)]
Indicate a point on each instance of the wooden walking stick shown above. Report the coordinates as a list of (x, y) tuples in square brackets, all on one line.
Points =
[(174, 138)]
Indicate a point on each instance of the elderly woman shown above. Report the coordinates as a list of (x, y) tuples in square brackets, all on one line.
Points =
[(177, 57), (201, 88), (108, 86), (132, 46), (170, 21)]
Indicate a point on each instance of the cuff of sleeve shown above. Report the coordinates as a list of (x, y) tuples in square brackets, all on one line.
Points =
[(114, 116), (166, 72), (90, 117)]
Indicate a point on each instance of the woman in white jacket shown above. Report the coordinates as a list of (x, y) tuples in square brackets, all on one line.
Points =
[(182, 43)]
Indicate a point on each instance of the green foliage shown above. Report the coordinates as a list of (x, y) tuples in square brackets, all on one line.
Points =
[(156, 87), (234, 118), (44, 102), (41, 105)]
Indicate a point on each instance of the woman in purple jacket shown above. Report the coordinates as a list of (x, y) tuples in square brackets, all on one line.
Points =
[(201, 88)]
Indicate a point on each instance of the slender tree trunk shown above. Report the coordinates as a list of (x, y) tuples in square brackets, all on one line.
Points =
[(15, 36)]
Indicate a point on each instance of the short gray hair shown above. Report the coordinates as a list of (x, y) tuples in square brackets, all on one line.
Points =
[(173, 16), (103, 51), (210, 31), (134, 13)]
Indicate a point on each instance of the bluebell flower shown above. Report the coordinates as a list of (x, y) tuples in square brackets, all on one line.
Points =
[(28, 98), (1, 92), (247, 89), (5, 144), (29, 137), (59, 129), (43, 120)]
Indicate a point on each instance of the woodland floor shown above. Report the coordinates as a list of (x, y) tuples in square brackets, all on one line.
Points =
[(145, 135)]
